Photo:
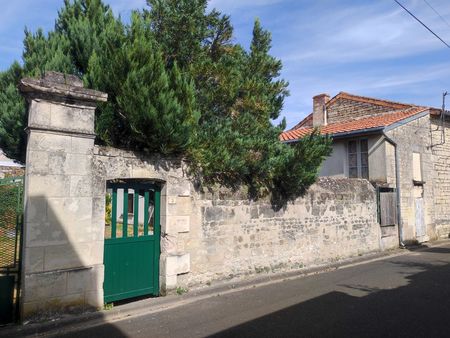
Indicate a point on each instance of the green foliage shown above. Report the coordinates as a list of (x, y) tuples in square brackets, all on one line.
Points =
[(12, 114), (180, 290), (108, 209), (108, 306), (10, 206), (42, 53), (176, 84), (300, 163)]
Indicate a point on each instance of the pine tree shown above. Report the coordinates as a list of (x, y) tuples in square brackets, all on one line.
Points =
[(12, 114), (176, 84)]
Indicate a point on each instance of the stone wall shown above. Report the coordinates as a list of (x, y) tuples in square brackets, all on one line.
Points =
[(210, 236), (440, 147), (343, 110), (413, 136), (232, 236)]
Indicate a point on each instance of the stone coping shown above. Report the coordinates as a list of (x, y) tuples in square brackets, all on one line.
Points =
[(62, 86)]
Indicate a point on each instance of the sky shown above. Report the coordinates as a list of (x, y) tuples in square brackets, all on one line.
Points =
[(365, 47)]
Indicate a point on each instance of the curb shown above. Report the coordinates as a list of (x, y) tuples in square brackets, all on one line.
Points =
[(152, 305)]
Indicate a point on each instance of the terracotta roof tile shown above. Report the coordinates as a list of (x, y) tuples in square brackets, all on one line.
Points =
[(383, 120)]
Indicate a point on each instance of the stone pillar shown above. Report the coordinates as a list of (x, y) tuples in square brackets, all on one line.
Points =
[(176, 208), (62, 248)]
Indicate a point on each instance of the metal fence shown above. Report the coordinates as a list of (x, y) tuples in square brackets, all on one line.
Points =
[(11, 213)]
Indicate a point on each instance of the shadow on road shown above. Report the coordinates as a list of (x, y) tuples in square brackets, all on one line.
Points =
[(419, 309), (440, 250)]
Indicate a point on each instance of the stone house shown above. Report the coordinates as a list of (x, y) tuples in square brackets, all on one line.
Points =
[(398, 147)]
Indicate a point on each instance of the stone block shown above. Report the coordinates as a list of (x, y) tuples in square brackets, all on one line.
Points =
[(73, 255), (57, 162), (163, 221), (98, 185), (80, 186), (66, 256), (181, 207), (95, 256), (84, 280), (48, 186), (177, 224), (179, 187), (213, 213), (73, 215), (170, 282), (82, 145), (51, 307), (40, 234), (177, 264), (39, 114), (94, 298), (147, 172), (42, 286), (34, 259), (183, 263), (78, 164), (36, 210), (37, 163), (169, 243), (72, 118), (171, 265), (49, 142), (98, 218)]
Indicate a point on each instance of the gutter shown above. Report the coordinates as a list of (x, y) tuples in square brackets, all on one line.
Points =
[(347, 134), (397, 186), (357, 132)]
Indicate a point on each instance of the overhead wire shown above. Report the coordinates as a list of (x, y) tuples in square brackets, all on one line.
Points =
[(424, 25), (438, 14)]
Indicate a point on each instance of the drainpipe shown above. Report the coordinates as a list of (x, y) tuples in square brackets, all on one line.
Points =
[(397, 185)]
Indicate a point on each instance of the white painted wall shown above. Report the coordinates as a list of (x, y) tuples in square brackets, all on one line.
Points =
[(336, 165)]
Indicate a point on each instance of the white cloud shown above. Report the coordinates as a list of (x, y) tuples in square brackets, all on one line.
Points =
[(123, 7), (367, 32), (230, 6)]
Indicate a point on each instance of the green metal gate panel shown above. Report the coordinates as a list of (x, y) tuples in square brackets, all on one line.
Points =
[(132, 240), (11, 207)]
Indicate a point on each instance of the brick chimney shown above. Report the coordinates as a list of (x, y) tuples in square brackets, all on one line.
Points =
[(319, 111)]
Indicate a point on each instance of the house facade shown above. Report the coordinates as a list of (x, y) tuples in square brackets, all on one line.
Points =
[(402, 149)]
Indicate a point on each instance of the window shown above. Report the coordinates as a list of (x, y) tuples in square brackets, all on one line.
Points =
[(358, 159), (417, 167)]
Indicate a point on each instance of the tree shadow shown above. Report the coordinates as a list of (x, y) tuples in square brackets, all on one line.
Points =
[(418, 309)]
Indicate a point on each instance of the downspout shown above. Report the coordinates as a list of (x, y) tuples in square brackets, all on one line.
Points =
[(397, 186)]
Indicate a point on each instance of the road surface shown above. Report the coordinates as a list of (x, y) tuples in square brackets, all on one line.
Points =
[(403, 296)]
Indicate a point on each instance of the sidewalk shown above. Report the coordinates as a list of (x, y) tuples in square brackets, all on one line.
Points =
[(154, 305)]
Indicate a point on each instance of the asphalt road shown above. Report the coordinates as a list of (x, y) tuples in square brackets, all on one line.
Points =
[(403, 296)]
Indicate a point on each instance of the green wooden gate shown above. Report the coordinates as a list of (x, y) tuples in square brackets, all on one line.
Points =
[(11, 207), (132, 240)]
